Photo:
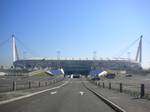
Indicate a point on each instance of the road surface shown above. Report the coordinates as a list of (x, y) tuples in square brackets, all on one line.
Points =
[(73, 97)]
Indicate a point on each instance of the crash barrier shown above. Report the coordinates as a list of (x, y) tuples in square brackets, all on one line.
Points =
[(134, 89), (19, 85)]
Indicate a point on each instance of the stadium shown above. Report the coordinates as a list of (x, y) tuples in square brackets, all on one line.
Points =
[(77, 66)]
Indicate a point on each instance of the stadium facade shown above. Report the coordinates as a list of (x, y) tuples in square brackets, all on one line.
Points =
[(78, 66)]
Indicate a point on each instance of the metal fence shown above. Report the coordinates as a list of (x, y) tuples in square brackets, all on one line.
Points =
[(134, 89), (27, 84)]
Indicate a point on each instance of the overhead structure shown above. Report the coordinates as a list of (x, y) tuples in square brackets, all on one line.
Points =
[(139, 51), (94, 55), (15, 52), (58, 58)]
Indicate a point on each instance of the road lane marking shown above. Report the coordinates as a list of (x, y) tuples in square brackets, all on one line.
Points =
[(32, 94), (54, 92), (81, 93)]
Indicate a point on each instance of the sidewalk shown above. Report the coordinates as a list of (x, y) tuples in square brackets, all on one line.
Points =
[(130, 104)]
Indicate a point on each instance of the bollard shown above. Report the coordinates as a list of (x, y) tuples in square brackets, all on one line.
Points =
[(109, 85), (103, 85), (45, 83), (99, 84), (29, 84), (39, 84), (14, 85), (95, 82), (52, 81), (121, 88), (142, 91)]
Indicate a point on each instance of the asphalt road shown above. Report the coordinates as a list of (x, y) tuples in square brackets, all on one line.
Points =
[(73, 97)]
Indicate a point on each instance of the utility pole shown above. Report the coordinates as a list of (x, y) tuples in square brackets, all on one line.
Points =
[(58, 55), (94, 59), (58, 59), (94, 55)]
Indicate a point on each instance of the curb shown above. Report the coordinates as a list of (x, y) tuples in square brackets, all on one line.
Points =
[(106, 101)]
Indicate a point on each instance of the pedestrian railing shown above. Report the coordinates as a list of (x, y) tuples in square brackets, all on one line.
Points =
[(19, 85), (134, 89)]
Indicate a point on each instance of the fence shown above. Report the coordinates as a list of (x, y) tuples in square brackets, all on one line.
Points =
[(134, 89), (19, 85)]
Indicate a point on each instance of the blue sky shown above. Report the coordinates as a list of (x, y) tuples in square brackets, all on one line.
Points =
[(76, 28)]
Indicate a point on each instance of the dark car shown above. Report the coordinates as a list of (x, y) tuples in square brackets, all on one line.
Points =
[(128, 75), (95, 78), (76, 76), (110, 76)]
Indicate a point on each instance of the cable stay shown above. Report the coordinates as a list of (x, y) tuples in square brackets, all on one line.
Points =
[(5, 41), (25, 48), (128, 47), (147, 41)]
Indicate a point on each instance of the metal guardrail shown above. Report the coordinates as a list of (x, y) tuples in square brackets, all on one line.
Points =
[(20, 85), (134, 89)]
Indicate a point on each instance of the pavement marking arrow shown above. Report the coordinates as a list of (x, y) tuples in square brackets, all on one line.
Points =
[(54, 92), (81, 93)]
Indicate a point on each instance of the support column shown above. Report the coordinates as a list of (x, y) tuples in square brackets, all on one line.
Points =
[(15, 53)]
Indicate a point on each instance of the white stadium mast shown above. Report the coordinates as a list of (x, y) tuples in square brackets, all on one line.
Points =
[(139, 52), (15, 52)]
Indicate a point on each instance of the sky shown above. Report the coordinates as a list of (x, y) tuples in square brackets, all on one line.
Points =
[(76, 28)]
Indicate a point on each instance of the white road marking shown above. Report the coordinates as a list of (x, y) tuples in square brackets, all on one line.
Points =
[(81, 93), (32, 94), (54, 92)]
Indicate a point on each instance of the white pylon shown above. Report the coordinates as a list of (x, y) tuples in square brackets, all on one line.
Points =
[(139, 52), (15, 53)]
